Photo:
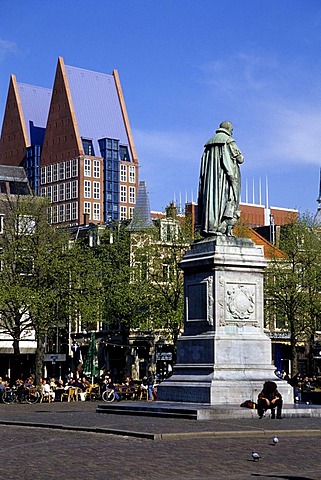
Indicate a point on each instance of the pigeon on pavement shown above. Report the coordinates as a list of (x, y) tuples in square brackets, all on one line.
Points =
[(275, 440)]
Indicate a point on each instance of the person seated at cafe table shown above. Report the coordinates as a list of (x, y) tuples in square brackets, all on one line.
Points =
[(112, 389)]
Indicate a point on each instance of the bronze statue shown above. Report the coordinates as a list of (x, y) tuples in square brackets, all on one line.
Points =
[(219, 183)]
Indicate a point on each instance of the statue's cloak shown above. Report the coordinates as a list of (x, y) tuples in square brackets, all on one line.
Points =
[(219, 184)]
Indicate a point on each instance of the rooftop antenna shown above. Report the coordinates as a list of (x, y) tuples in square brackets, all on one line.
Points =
[(246, 192), (319, 197), (260, 191), (266, 192), (253, 199)]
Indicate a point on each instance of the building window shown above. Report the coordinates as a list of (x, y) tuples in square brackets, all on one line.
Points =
[(74, 211), (132, 196), (74, 188), (123, 173), (68, 212), (87, 189), (62, 171), (96, 211), (132, 176), (43, 191), (123, 193), (55, 214), (131, 212), (96, 168), (74, 167), (61, 192), (62, 213), (68, 191), (49, 194), (88, 146), (68, 169), (123, 213), (97, 190), (43, 175), (55, 193), (87, 168), (49, 171), (1, 223), (123, 153), (87, 208), (55, 172)]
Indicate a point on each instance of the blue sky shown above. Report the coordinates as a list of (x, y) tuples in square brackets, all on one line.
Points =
[(185, 66)]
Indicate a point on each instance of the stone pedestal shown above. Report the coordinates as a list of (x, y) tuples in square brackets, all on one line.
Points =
[(223, 356)]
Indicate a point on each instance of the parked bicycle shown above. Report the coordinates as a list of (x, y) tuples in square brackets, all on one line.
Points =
[(30, 395), (108, 395)]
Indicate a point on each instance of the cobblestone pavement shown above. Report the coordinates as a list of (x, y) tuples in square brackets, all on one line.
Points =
[(44, 453)]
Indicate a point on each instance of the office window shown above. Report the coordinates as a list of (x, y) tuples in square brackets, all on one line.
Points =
[(87, 189), (74, 188), (74, 167), (96, 211), (132, 176), (49, 192), (96, 168), (123, 213), (43, 191), (68, 212), (123, 193), (62, 171), (123, 173), (87, 208), (96, 190), (49, 173), (62, 213), (68, 191), (55, 172), (68, 169), (74, 211), (131, 212), (55, 193), (87, 167), (61, 192), (43, 175), (132, 196), (55, 214)]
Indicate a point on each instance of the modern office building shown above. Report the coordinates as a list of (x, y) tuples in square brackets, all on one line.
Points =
[(75, 144)]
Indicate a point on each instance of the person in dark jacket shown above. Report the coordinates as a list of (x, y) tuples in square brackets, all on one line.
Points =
[(271, 398)]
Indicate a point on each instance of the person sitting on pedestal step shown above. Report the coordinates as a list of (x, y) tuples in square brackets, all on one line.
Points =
[(271, 398)]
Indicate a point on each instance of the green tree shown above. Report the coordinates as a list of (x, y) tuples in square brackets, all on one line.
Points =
[(44, 283), (293, 283)]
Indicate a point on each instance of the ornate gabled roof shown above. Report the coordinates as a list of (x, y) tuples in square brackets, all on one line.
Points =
[(141, 216)]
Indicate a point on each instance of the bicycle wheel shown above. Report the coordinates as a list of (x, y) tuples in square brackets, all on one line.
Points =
[(8, 396), (108, 396), (33, 396)]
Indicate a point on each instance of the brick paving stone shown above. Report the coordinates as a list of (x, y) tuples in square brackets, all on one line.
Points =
[(183, 453), (33, 454)]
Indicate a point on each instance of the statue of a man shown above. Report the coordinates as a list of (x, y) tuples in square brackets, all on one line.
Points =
[(219, 183)]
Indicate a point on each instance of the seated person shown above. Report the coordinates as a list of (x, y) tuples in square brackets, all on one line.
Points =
[(46, 390), (111, 388), (271, 398)]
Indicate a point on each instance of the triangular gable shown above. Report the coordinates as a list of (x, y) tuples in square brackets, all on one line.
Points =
[(14, 135), (62, 134), (269, 249)]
